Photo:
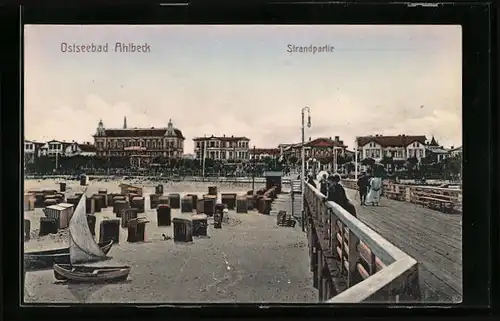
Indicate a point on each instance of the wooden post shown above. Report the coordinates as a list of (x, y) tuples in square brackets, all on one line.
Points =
[(353, 259), (373, 265), (311, 248), (325, 287), (320, 274), (335, 242), (342, 248)]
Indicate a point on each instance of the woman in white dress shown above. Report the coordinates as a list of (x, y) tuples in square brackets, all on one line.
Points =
[(373, 197)]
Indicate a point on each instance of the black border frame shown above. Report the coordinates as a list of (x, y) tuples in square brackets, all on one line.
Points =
[(479, 138)]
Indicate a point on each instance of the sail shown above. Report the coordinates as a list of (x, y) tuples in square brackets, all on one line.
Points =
[(82, 245)]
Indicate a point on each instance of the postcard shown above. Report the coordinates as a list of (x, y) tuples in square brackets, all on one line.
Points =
[(242, 164)]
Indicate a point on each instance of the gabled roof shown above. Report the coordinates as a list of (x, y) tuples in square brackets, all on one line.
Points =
[(140, 132), (324, 142), (64, 144), (433, 142), (392, 141)]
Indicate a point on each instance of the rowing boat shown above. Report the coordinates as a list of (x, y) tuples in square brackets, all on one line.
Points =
[(46, 259), (82, 249), (93, 274)]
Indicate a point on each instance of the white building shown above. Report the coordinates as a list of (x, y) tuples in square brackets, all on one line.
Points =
[(399, 147), (76, 149), (31, 150), (222, 148), (53, 148), (261, 153), (437, 152), (455, 151)]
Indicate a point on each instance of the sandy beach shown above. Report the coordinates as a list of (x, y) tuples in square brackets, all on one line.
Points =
[(249, 260)]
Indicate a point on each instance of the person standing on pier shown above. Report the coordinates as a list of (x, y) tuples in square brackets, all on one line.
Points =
[(337, 194), (363, 186), (373, 197), (323, 185)]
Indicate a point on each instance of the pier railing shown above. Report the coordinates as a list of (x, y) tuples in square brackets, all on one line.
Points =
[(448, 200), (351, 262)]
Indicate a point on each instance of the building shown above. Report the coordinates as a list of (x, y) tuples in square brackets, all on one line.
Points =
[(76, 149), (142, 145), (261, 153), (455, 151), (31, 150), (319, 148), (54, 148), (400, 147), (282, 148), (435, 151), (222, 148)]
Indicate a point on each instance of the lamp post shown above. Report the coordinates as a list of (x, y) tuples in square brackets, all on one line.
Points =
[(356, 159), (253, 170), (204, 152), (303, 153)]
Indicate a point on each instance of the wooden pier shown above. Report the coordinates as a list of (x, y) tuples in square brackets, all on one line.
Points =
[(395, 252)]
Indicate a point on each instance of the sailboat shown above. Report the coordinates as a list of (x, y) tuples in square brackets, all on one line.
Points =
[(46, 259), (84, 249)]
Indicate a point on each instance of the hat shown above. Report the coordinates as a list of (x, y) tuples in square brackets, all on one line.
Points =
[(334, 177)]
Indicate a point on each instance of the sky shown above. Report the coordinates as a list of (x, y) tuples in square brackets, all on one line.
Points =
[(241, 80)]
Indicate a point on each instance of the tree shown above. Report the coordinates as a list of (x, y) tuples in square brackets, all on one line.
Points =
[(188, 163), (350, 167), (44, 164), (388, 161), (368, 161), (342, 159), (412, 162), (453, 165)]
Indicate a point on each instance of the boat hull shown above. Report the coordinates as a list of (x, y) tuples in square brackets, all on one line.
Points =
[(90, 274), (46, 259)]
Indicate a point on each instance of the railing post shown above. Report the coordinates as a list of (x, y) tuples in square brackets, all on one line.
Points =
[(342, 247), (314, 264), (335, 230), (373, 264), (324, 285), (320, 273), (353, 259)]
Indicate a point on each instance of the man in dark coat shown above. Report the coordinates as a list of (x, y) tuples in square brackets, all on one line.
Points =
[(337, 194), (363, 185), (323, 185)]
